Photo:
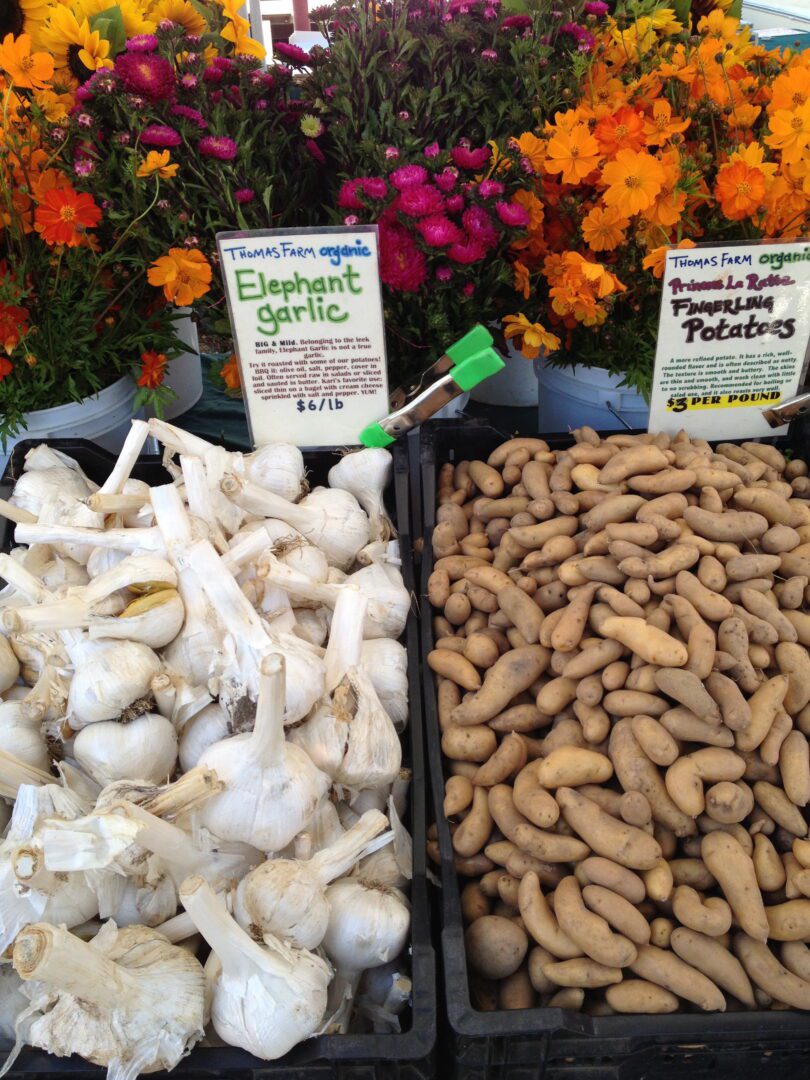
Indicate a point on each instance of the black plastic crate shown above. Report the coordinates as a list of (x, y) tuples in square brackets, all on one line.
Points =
[(532, 1043), (405, 1056)]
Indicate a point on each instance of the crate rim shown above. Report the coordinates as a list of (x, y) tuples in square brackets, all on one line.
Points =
[(417, 1043), (465, 1020)]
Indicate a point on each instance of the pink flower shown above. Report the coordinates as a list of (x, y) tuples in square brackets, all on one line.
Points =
[(489, 188), (479, 225), (431, 150), (596, 7), (466, 158), (218, 146), (391, 152), (489, 54), (585, 41), (146, 74), (403, 115), (213, 75), (315, 151), (351, 219), (490, 13), (194, 116), (420, 201), (402, 264), (142, 43), (517, 22), (374, 187), (468, 289), (189, 81), (244, 195), (438, 231), (446, 180), (466, 251), (84, 167), (160, 135), (84, 120), (455, 204), (512, 214), (444, 273), (347, 197), (408, 176), (292, 53)]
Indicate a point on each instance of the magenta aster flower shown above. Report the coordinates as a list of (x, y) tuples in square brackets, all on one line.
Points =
[(85, 167), (431, 150), (444, 273), (489, 188), (244, 195), (596, 7), (123, 138), (466, 158), (446, 180), (374, 187), (351, 219), (489, 54), (146, 74), (467, 251), (455, 204), (583, 38), (391, 152), (347, 196), (402, 264), (420, 201), (408, 176), (160, 135), (213, 75), (438, 231), (194, 116), (292, 53), (84, 120), (218, 146), (480, 226), (517, 22), (315, 151), (83, 93), (142, 43), (189, 81), (512, 214), (468, 289)]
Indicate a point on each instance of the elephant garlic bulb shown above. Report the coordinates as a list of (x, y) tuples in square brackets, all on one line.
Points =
[(110, 677), (20, 734), (266, 998), (272, 789), (366, 474), (287, 898), (127, 999), (143, 749), (368, 924), (385, 662)]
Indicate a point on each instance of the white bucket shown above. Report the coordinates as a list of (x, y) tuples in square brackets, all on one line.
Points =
[(184, 373), (515, 384), (573, 396), (104, 418)]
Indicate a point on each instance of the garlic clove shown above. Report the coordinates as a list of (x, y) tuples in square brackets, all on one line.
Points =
[(144, 749), (385, 661)]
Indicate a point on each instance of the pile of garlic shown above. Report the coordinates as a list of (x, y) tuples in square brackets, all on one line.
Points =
[(201, 695)]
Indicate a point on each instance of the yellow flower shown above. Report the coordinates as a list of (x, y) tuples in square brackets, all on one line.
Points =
[(132, 16), (54, 106), (184, 274), (157, 161), (73, 45), (633, 181), (603, 229), (532, 148), (25, 69), (790, 132), (237, 31), (534, 336), (181, 12), (754, 155), (666, 22)]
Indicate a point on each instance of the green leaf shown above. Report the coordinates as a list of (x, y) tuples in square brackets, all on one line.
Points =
[(683, 10), (110, 24), (735, 11)]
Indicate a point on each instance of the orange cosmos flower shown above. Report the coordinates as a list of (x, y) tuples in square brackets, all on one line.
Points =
[(743, 117), (533, 336), (26, 70), (622, 131), (790, 132), (533, 206), (660, 127), (522, 282), (656, 260), (153, 368), (184, 275), (718, 26), (63, 215), (532, 148), (603, 229), (157, 161), (739, 190), (633, 181), (229, 373), (574, 154), (754, 155), (790, 89)]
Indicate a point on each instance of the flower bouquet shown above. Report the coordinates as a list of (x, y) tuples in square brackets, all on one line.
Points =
[(74, 315), (672, 139)]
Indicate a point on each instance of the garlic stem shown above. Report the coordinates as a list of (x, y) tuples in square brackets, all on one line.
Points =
[(237, 951), (16, 513), (177, 440), (247, 550), (127, 458), (185, 794), (23, 581), (336, 860), (267, 740), (178, 928), (51, 955), (345, 636), (129, 540), (227, 599), (14, 773), (114, 504), (199, 499)]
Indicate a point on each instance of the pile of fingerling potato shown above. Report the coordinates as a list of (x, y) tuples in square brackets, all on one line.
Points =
[(623, 693)]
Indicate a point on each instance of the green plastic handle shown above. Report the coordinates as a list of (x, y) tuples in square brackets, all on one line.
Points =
[(373, 435)]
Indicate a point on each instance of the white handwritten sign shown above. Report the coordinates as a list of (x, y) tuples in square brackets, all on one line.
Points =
[(307, 319), (732, 337)]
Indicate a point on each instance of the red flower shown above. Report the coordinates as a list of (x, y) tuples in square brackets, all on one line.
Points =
[(153, 368), (6, 367), (402, 264), (12, 327), (470, 159), (146, 74), (63, 216)]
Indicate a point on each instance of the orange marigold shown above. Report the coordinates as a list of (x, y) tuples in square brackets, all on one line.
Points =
[(184, 275), (153, 368), (532, 148), (604, 229), (6, 367), (157, 161), (574, 154), (790, 89), (633, 181), (522, 280)]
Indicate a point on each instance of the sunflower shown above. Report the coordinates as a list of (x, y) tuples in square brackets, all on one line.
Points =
[(181, 12), (132, 15), (73, 45), (22, 16)]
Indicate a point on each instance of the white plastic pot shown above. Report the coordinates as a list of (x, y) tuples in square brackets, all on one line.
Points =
[(573, 396), (515, 384), (184, 373), (105, 419)]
